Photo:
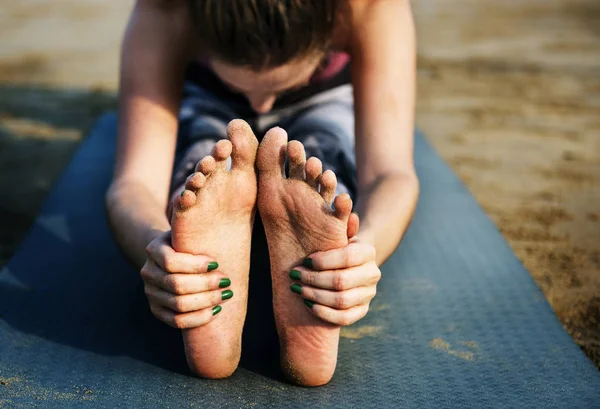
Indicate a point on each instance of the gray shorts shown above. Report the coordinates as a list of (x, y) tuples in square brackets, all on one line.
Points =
[(324, 123)]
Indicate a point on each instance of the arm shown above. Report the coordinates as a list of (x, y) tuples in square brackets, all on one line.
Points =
[(382, 43), (180, 287), (154, 56), (383, 56)]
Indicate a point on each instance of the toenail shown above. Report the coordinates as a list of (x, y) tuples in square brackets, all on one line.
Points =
[(225, 282), (297, 288), (213, 265), (217, 309), (309, 303), (308, 262), (225, 295), (295, 275)]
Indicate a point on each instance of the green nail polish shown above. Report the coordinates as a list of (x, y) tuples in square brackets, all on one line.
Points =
[(295, 275), (225, 282), (225, 295), (297, 288), (309, 303), (308, 263), (182, 192), (217, 309), (213, 265)]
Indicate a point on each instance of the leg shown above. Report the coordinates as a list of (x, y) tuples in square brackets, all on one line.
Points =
[(213, 215), (203, 120), (326, 129)]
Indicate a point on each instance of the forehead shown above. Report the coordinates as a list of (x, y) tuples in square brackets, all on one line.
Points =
[(272, 79)]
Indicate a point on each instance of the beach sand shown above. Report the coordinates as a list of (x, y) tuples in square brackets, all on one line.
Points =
[(509, 95)]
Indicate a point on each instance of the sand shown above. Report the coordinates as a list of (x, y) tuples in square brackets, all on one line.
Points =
[(509, 95)]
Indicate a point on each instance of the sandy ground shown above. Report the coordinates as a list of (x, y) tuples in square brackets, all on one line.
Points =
[(509, 94)]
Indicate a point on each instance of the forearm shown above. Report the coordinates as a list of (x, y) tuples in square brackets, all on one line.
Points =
[(135, 217), (386, 208)]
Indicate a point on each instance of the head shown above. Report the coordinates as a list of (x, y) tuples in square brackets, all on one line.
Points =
[(262, 48)]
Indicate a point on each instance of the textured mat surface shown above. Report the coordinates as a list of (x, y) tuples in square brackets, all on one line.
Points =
[(457, 322)]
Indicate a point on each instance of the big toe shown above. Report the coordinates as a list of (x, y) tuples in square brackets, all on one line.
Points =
[(272, 153), (244, 144)]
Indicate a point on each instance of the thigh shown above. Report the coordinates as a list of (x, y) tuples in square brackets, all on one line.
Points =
[(326, 129), (203, 119)]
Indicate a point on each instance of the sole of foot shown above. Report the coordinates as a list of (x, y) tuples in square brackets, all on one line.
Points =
[(214, 217), (298, 219)]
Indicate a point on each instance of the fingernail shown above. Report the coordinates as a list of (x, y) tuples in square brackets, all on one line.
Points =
[(295, 275), (297, 288), (309, 303), (225, 282), (182, 192), (225, 295), (213, 265), (308, 263), (217, 309)]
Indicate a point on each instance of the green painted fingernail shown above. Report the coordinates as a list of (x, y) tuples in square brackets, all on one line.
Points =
[(308, 262), (295, 275), (213, 265), (225, 282), (217, 309), (225, 295), (182, 192), (297, 288), (309, 303)]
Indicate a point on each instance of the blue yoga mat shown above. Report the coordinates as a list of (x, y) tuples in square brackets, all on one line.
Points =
[(457, 322)]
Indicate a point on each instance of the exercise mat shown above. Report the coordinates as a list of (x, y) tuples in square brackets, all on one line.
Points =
[(457, 322)]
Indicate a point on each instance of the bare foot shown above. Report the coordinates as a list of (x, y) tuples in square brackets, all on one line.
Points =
[(299, 221), (214, 217)]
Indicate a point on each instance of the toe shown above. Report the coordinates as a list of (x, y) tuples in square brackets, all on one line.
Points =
[(221, 151), (353, 225), (271, 153), (207, 165), (328, 185), (195, 181), (244, 144), (313, 168), (343, 206), (186, 200), (296, 159)]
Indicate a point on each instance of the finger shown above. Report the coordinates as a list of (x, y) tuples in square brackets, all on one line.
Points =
[(340, 300), (338, 317), (151, 273), (186, 320), (344, 279), (183, 284), (162, 253), (186, 303), (354, 254)]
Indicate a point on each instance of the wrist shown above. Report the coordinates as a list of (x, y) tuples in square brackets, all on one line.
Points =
[(366, 236)]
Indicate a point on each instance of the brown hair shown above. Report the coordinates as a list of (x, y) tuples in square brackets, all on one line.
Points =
[(263, 33)]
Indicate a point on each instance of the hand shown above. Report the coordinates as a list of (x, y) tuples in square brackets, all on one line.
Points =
[(184, 290), (338, 285)]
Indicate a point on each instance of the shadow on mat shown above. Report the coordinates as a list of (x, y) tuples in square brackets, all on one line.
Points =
[(102, 308), (40, 128)]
